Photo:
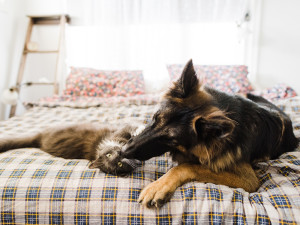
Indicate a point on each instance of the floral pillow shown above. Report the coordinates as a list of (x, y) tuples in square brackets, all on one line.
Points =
[(104, 83), (278, 91), (230, 78)]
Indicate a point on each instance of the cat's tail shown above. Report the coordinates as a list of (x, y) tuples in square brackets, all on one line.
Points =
[(33, 141)]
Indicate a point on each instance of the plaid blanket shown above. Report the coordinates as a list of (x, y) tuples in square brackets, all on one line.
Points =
[(37, 188)]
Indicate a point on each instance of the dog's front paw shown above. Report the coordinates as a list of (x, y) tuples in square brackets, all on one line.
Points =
[(156, 194)]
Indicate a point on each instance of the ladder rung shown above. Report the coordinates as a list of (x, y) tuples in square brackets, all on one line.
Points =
[(45, 51), (38, 83), (50, 19)]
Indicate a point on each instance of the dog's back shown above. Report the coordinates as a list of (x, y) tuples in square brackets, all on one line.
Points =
[(262, 129)]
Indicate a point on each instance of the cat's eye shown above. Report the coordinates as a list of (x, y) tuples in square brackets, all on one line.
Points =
[(108, 155), (120, 164)]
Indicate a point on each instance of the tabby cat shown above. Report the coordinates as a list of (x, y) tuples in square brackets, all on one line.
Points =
[(100, 145)]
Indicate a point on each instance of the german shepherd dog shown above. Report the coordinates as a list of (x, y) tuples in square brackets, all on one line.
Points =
[(215, 137)]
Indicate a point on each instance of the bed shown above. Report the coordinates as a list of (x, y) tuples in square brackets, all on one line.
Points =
[(37, 188)]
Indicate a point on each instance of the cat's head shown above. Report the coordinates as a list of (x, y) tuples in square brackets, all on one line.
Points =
[(109, 159)]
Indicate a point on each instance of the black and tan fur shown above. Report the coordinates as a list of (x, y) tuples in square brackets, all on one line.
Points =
[(215, 137), (100, 145)]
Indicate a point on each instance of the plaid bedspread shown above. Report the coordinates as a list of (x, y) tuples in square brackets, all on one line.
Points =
[(37, 188)]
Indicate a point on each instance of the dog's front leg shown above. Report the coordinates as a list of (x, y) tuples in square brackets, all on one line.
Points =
[(160, 191)]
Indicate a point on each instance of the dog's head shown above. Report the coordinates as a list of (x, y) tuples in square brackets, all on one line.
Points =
[(187, 120)]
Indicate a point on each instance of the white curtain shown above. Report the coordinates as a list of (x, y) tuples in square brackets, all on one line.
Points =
[(148, 34), (113, 12)]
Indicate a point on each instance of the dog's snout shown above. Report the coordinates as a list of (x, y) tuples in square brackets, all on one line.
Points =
[(126, 151)]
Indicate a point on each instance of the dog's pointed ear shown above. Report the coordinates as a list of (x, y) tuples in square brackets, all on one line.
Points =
[(219, 127), (188, 82)]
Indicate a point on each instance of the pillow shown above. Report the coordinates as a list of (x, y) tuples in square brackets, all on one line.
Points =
[(129, 83), (230, 78), (278, 91), (104, 83)]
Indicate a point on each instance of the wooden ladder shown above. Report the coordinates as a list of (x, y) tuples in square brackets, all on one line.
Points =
[(60, 20)]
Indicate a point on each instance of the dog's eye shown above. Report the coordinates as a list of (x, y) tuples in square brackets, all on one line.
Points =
[(120, 164), (108, 155)]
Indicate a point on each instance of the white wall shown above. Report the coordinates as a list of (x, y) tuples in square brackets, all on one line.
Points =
[(45, 7), (13, 25), (12, 28), (279, 44)]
